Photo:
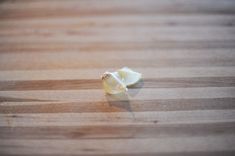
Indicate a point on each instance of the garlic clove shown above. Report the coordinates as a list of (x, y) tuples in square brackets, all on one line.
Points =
[(128, 76), (112, 83), (117, 82)]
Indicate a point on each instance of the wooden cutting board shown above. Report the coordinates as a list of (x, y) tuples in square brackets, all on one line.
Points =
[(52, 54)]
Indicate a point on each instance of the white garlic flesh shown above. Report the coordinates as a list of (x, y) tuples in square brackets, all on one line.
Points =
[(128, 76), (117, 82), (112, 84)]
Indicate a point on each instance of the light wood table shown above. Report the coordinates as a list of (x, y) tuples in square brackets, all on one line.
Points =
[(52, 54)]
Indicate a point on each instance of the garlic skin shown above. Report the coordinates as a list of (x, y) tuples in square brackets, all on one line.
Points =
[(128, 76), (112, 83), (117, 82)]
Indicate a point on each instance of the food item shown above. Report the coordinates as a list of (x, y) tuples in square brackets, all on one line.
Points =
[(117, 82), (112, 84), (128, 76)]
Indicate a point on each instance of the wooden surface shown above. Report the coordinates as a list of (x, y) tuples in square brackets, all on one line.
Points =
[(52, 54)]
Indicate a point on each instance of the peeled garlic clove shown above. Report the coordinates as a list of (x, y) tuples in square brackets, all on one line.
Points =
[(112, 83), (117, 82), (128, 76)]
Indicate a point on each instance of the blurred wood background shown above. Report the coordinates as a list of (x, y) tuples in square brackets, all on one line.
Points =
[(52, 54)]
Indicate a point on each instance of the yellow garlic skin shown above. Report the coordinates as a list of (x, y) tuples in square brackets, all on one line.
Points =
[(112, 84), (117, 82)]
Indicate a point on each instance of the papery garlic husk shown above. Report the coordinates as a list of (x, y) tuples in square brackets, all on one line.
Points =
[(128, 76), (112, 83)]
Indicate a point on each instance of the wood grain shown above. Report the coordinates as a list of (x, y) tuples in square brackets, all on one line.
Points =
[(52, 54)]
